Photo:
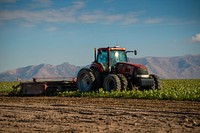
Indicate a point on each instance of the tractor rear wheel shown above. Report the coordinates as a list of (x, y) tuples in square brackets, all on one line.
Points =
[(112, 82), (85, 80), (157, 83), (123, 80), (98, 79)]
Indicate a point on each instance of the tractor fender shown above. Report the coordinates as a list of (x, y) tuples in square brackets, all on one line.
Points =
[(97, 66)]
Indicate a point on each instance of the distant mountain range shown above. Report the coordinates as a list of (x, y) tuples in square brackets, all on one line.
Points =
[(40, 71), (180, 67)]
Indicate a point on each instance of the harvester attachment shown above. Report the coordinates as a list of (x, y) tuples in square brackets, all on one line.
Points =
[(44, 86)]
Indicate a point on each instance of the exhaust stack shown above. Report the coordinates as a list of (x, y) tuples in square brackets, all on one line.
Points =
[(95, 55)]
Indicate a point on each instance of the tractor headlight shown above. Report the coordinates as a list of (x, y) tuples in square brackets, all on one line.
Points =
[(142, 76)]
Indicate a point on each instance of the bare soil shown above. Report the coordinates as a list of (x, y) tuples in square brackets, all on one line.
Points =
[(61, 114)]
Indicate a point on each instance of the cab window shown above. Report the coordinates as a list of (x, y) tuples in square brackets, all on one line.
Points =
[(118, 56), (102, 56)]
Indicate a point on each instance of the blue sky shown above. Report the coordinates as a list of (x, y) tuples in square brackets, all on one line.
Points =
[(56, 31)]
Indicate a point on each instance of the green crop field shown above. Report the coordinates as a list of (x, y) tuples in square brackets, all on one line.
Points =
[(171, 90), (183, 89), (7, 86)]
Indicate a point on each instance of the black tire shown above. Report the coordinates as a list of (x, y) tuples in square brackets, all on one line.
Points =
[(123, 80), (98, 83), (85, 80), (157, 82), (112, 82)]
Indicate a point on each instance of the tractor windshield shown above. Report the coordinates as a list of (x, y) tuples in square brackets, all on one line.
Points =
[(115, 56), (118, 56)]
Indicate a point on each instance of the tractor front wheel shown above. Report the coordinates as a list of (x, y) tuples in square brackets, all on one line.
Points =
[(157, 82), (85, 80), (123, 80), (112, 82)]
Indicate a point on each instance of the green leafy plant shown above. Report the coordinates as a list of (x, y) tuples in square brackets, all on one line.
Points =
[(177, 89), (7, 86), (187, 89)]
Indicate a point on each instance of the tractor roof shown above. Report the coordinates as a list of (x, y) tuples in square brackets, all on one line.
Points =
[(113, 48)]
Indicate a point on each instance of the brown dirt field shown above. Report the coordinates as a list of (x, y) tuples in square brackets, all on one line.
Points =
[(61, 114)]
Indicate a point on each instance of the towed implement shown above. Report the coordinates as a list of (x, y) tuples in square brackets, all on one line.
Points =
[(44, 86)]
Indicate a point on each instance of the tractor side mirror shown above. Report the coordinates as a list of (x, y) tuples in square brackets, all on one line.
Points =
[(135, 52)]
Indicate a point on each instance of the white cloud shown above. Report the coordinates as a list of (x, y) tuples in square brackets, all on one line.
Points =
[(43, 1), (51, 28), (153, 20), (108, 1), (66, 15), (78, 5), (8, 0), (74, 13), (91, 17), (196, 38), (106, 18), (130, 20), (27, 24), (37, 16), (109, 19), (40, 4)]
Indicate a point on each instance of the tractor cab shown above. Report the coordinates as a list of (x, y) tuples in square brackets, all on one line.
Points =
[(108, 57)]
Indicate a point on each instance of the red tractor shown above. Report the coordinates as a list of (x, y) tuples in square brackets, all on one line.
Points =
[(112, 71)]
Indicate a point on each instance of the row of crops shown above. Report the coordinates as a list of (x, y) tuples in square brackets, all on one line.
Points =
[(187, 89)]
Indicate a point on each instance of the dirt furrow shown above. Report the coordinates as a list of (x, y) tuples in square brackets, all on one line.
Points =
[(50, 114)]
